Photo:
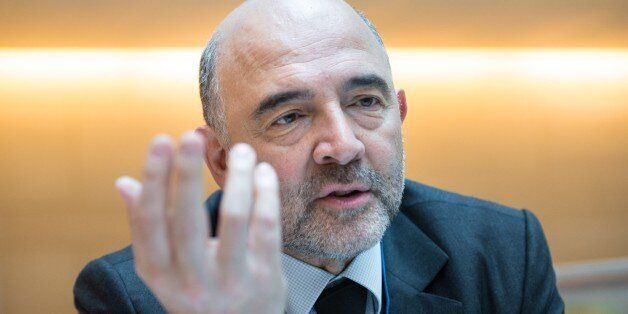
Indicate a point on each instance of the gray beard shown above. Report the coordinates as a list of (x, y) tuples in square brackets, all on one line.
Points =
[(311, 230)]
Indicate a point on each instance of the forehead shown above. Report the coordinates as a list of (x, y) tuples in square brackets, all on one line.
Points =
[(262, 60), (301, 60)]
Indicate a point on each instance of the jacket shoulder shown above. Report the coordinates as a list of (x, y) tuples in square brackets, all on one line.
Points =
[(100, 288), (500, 252), (418, 195), (120, 256), (469, 229), (465, 224), (110, 284)]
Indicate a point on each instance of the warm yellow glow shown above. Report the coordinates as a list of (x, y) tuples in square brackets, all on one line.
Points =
[(50, 65), (571, 65), (95, 64), (543, 129)]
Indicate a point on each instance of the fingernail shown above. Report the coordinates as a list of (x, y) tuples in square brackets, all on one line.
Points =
[(264, 168), (240, 150), (265, 176), (161, 145), (265, 172), (242, 157), (122, 182), (127, 184), (189, 144)]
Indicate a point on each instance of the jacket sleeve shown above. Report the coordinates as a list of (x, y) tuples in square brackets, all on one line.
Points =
[(540, 294), (99, 289)]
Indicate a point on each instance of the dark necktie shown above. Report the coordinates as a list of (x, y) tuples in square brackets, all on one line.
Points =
[(346, 297)]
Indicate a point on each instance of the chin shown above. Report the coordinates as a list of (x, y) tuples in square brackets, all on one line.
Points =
[(339, 237)]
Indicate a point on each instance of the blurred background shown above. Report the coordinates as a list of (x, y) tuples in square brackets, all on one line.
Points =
[(520, 102)]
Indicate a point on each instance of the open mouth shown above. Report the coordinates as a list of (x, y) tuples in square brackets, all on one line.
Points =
[(345, 193), (346, 199)]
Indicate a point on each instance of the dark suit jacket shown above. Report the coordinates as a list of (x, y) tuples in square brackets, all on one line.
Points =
[(444, 252)]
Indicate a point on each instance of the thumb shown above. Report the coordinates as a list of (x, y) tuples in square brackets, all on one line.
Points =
[(130, 190)]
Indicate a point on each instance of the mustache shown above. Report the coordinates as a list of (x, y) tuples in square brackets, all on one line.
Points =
[(353, 172)]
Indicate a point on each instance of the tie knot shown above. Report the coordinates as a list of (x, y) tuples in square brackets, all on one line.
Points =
[(344, 297)]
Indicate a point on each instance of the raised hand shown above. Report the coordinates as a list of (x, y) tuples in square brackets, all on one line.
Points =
[(237, 272)]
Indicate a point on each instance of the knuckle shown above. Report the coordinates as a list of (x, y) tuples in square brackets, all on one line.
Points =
[(186, 168), (140, 220), (153, 173), (185, 175), (267, 221), (269, 242), (236, 218)]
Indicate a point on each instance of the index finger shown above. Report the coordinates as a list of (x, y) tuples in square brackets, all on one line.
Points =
[(189, 225), (148, 217)]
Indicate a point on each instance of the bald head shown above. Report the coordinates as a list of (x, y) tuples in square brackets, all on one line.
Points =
[(256, 24), (288, 15)]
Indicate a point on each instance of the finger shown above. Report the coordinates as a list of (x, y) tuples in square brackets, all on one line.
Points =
[(148, 218), (130, 190), (235, 208), (189, 224), (266, 222)]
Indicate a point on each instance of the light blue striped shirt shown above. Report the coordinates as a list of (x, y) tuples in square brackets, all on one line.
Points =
[(306, 282)]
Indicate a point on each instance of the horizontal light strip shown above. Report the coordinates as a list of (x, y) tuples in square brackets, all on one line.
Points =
[(433, 64)]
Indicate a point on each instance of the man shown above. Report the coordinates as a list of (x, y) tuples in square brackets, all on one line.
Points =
[(315, 215)]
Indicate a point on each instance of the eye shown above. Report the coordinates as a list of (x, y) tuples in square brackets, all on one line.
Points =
[(287, 119), (368, 102)]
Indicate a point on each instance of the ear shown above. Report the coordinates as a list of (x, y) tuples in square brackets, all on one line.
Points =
[(403, 106), (215, 154)]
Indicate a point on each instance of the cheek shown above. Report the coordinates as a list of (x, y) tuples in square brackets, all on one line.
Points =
[(290, 163), (382, 145)]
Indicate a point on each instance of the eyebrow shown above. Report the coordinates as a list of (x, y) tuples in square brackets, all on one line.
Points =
[(368, 80), (277, 100)]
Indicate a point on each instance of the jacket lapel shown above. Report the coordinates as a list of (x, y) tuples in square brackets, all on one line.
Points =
[(412, 261)]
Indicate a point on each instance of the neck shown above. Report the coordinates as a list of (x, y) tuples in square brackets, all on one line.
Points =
[(333, 266)]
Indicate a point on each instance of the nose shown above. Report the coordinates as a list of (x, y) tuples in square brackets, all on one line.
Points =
[(337, 142)]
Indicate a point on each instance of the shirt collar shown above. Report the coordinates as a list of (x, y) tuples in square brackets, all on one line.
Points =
[(306, 282)]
